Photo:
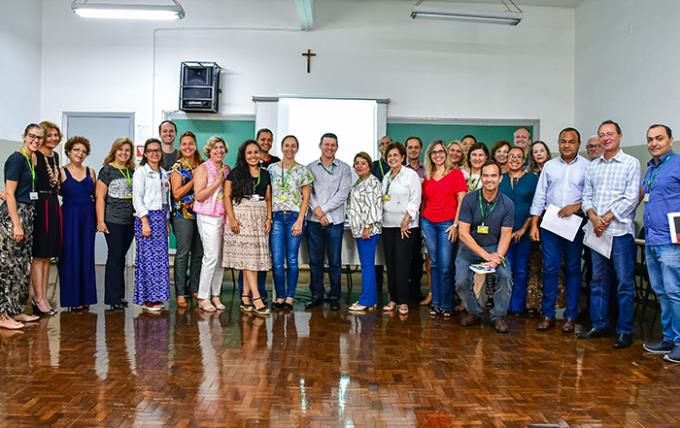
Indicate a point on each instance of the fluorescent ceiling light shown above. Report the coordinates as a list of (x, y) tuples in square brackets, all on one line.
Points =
[(459, 13), (128, 11)]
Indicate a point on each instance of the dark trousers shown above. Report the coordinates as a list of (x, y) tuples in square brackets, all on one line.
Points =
[(118, 241), (325, 241), (399, 260), (415, 296)]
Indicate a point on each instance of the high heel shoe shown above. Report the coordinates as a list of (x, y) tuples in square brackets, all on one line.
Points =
[(262, 310), (356, 307), (38, 312), (245, 307)]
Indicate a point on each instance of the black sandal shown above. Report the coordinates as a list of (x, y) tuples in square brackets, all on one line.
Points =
[(245, 307), (260, 311)]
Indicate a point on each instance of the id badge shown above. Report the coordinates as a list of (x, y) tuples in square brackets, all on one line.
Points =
[(646, 197), (128, 196), (33, 196), (255, 198), (483, 230), (282, 198), (386, 198)]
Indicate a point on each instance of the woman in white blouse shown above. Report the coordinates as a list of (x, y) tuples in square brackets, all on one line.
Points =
[(401, 205), (150, 198), (364, 212)]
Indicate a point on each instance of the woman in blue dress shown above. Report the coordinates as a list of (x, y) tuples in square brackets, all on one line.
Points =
[(151, 198), (78, 286)]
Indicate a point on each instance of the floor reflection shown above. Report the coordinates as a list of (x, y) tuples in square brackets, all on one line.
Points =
[(318, 368)]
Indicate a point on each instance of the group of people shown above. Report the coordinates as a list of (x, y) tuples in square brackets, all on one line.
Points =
[(470, 206)]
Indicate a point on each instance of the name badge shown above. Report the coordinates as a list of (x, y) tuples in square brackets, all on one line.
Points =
[(33, 196), (255, 197), (282, 198), (646, 197), (483, 230)]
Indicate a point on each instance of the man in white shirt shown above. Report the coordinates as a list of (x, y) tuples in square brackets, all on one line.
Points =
[(610, 196), (326, 219), (560, 184)]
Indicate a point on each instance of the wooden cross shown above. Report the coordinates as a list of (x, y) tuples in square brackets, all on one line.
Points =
[(309, 56)]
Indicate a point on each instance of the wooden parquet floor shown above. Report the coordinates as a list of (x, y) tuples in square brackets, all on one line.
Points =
[(321, 369)]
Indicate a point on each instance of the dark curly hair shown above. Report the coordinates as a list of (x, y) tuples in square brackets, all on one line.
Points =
[(241, 180)]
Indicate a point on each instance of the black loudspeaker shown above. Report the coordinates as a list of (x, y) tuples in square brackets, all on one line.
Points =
[(199, 87)]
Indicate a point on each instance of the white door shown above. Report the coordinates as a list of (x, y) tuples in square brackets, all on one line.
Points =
[(101, 129)]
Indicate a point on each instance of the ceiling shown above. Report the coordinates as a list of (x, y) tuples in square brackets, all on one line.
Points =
[(520, 3)]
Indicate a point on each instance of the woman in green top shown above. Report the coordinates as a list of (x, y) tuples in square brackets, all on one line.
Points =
[(291, 187)]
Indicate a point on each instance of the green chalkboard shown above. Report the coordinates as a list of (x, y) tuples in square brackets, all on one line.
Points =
[(429, 132), (234, 132)]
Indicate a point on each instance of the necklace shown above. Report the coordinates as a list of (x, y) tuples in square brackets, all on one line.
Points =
[(52, 171)]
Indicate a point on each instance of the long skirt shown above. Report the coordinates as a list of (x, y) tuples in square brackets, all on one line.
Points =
[(152, 266), (249, 250), (15, 259)]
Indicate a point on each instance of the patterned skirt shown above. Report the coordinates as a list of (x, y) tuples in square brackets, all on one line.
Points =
[(15, 259), (152, 265), (249, 250)]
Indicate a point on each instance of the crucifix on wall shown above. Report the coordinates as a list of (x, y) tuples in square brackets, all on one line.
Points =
[(309, 56)]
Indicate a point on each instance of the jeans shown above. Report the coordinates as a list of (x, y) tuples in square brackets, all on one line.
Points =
[(118, 241), (518, 258), (464, 283), (367, 248), (210, 229), (663, 266), (554, 248), (285, 246), (622, 261), (398, 252), (325, 241), (439, 249), (188, 241)]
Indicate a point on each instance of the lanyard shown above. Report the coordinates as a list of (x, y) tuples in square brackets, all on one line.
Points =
[(382, 169), (257, 183), (472, 183), (125, 174), (31, 167), (390, 179), (329, 171), (481, 208), (184, 161), (655, 172)]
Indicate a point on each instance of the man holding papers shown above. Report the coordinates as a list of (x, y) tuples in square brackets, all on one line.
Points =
[(559, 193), (610, 195), (485, 226), (661, 189)]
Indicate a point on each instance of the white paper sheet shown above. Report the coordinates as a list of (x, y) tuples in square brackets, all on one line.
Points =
[(601, 244), (566, 227)]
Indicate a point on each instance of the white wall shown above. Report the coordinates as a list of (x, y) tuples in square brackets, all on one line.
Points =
[(627, 65), (365, 49), (20, 34)]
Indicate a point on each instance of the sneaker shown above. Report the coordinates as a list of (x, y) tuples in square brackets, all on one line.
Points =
[(150, 307), (662, 347), (674, 355), (482, 269)]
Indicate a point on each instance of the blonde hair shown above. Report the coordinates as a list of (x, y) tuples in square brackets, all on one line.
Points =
[(429, 165), (46, 125), (211, 142), (463, 155), (118, 143)]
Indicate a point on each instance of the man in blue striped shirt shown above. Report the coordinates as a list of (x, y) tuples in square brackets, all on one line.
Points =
[(611, 194), (661, 187)]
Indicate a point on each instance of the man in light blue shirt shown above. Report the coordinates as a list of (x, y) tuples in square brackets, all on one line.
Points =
[(610, 196), (661, 187), (560, 184), (326, 219)]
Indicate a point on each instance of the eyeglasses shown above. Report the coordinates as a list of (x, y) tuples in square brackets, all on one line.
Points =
[(516, 157), (438, 152), (153, 151), (35, 137)]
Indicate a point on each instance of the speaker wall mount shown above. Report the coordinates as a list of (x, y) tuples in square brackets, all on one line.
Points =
[(199, 87)]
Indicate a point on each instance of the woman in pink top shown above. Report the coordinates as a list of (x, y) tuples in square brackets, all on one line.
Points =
[(209, 208), (443, 190)]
